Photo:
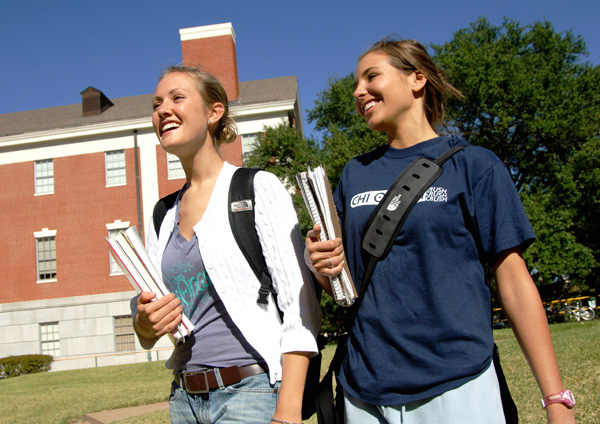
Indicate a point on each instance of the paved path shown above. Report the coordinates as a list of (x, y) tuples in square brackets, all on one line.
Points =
[(112, 416)]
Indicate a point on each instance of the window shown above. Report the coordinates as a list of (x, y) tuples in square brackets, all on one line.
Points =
[(44, 176), (114, 266), (50, 339), (115, 167), (113, 230), (248, 142), (46, 255), (124, 334), (174, 170)]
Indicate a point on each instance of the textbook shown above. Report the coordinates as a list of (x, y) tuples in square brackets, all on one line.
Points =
[(128, 251), (318, 198)]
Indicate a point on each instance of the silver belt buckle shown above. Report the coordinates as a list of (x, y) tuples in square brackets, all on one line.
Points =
[(203, 374)]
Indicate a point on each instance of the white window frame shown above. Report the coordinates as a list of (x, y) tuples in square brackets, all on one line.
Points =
[(45, 236), (50, 338), (44, 177), (249, 142), (115, 167), (174, 168), (124, 333), (113, 229)]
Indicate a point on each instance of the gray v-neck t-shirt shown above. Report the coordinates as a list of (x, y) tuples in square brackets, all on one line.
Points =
[(215, 341)]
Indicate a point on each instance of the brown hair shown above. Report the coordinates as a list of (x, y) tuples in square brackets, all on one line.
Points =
[(408, 56), (212, 92)]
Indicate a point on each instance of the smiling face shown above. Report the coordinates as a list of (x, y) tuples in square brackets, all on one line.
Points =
[(180, 117), (384, 95)]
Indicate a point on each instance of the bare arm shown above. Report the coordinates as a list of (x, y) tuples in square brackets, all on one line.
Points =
[(523, 308), (289, 403), (318, 255)]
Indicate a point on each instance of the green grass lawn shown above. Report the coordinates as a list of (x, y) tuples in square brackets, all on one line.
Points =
[(66, 396)]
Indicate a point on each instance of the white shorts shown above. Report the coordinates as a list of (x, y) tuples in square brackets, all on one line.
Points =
[(475, 402)]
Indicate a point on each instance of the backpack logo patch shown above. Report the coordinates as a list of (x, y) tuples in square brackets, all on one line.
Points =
[(394, 203), (242, 205)]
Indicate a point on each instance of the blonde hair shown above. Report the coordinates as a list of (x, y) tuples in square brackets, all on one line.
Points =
[(408, 56), (212, 92)]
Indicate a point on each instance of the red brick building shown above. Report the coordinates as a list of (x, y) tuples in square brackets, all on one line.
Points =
[(73, 174)]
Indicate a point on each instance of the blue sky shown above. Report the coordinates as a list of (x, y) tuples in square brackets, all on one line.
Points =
[(52, 50)]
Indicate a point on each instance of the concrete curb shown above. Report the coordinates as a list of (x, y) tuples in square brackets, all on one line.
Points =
[(106, 417)]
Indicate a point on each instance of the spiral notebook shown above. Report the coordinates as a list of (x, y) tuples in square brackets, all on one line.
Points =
[(318, 198)]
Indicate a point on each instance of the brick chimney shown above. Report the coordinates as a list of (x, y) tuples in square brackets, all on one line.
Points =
[(212, 48)]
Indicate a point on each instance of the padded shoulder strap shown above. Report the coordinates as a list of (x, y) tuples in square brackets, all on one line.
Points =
[(161, 207), (389, 216), (241, 219)]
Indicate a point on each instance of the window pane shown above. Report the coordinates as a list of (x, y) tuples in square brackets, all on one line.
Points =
[(44, 176), (174, 170), (115, 167), (124, 333), (114, 266), (46, 258), (248, 143), (50, 339)]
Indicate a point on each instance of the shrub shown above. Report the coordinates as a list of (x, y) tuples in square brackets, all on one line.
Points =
[(13, 366)]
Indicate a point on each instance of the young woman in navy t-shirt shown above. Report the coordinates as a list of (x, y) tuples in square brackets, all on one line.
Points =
[(421, 347)]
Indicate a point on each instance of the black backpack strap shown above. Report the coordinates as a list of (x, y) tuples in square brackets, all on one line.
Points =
[(241, 219), (440, 161), (161, 207), (401, 197)]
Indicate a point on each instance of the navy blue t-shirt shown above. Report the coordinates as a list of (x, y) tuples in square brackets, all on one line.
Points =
[(424, 326)]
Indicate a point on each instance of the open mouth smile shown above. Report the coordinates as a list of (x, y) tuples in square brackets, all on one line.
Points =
[(169, 126), (369, 105)]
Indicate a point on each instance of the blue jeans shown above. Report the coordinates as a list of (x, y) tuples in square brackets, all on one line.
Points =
[(251, 401), (475, 402)]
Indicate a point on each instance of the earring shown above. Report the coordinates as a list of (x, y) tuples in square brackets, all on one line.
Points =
[(209, 122)]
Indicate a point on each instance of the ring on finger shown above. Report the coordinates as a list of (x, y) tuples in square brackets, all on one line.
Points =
[(330, 263)]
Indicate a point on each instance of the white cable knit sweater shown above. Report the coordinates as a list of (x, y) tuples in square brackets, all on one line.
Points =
[(232, 276)]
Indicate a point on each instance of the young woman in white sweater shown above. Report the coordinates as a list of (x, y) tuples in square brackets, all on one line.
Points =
[(255, 364)]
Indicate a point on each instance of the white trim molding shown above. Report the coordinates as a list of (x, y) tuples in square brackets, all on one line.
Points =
[(263, 108), (44, 233), (207, 31), (64, 134), (117, 225)]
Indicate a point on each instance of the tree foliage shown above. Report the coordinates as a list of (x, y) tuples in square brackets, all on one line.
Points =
[(532, 99), (345, 133), (529, 97), (285, 152), (566, 219)]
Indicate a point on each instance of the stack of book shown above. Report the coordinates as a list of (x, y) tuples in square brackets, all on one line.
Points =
[(129, 252), (318, 198)]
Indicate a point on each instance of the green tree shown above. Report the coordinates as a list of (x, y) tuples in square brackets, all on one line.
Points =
[(345, 133), (566, 218), (529, 97), (532, 99), (556, 256), (583, 173), (283, 151)]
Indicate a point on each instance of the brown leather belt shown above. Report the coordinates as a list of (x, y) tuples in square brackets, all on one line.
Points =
[(203, 381)]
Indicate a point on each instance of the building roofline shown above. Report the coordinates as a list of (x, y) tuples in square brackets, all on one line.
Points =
[(258, 96)]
